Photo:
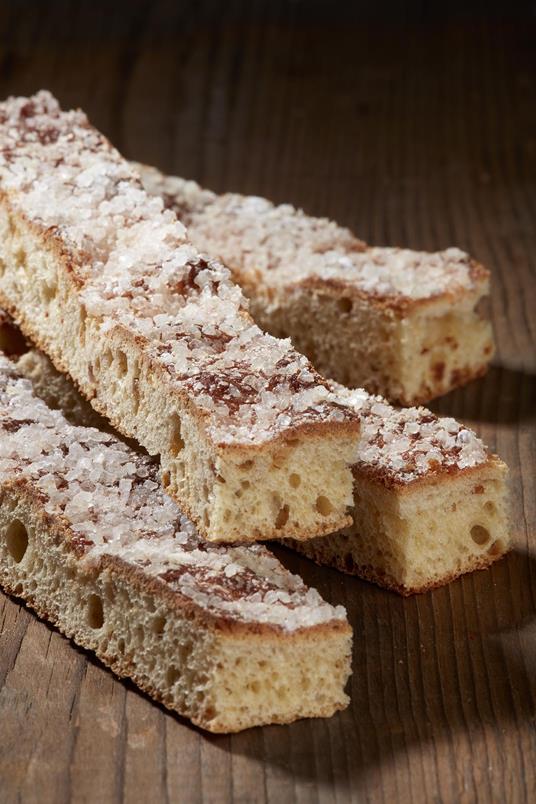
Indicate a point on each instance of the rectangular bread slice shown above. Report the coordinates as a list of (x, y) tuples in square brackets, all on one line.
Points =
[(407, 324), (252, 443), (223, 635), (430, 501)]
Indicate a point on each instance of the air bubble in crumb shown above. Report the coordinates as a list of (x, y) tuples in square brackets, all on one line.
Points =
[(282, 517), (95, 613), (479, 534), (176, 443), (323, 505), (17, 540), (122, 363), (158, 625)]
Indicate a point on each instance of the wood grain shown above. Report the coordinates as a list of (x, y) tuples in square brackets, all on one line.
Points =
[(413, 129)]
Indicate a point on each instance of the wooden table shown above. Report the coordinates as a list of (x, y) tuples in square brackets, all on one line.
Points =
[(412, 130)]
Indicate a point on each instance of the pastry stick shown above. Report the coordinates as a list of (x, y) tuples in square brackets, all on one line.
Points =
[(223, 635), (430, 501), (409, 325), (104, 280)]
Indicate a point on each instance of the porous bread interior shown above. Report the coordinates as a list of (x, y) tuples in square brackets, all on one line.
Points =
[(408, 358), (417, 537), (278, 494), (223, 679), (442, 346)]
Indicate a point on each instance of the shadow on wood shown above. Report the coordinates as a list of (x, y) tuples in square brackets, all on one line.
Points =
[(444, 668), (505, 395), (441, 667)]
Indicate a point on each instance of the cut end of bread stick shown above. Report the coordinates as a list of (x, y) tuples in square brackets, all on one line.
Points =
[(104, 280), (415, 538), (430, 502), (409, 325), (225, 636)]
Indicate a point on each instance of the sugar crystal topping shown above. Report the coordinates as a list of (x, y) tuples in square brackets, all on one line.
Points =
[(403, 445), (282, 246), (137, 268), (112, 501)]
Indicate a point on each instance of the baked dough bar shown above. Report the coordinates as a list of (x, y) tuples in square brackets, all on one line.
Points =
[(252, 443), (223, 635), (410, 325), (430, 501)]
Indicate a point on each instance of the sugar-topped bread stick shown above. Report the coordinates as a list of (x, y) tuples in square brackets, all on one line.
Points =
[(406, 324), (252, 442), (430, 501), (223, 635)]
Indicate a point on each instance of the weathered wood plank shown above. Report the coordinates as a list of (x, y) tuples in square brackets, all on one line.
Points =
[(413, 130)]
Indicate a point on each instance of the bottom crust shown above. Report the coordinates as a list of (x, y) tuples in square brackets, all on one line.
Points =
[(380, 578)]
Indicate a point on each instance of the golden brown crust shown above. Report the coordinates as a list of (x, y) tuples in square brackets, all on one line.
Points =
[(442, 474), (372, 574), (399, 306)]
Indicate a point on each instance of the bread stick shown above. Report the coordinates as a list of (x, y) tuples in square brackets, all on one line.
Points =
[(409, 325), (252, 443), (430, 501)]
